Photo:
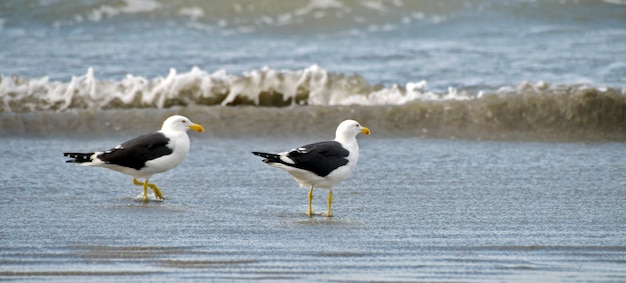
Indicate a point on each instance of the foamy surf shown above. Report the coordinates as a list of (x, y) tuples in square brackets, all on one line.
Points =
[(265, 87)]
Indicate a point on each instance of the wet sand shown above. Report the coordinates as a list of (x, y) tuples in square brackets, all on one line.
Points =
[(416, 210)]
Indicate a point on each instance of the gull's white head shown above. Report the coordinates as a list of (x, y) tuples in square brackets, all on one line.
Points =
[(349, 129), (180, 123)]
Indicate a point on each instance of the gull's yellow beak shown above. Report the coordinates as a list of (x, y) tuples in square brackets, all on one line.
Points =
[(365, 130), (196, 127)]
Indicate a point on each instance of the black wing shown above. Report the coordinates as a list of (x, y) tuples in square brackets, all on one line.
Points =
[(320, 158), (134, 153)]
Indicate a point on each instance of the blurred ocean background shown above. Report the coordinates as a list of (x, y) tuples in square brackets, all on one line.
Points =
[(497, 151), (498, 67)]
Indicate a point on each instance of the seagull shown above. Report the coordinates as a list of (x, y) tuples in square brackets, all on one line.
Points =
[(322, 164), (146, 155)]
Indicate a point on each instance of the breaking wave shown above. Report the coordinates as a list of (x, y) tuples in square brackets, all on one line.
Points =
[(244, 16), (265, 87), (311, 96)]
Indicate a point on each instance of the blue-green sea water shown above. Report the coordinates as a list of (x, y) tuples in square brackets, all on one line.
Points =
[(497, 151)]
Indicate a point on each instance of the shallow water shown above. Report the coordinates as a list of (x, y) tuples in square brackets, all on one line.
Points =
[(415, 210)]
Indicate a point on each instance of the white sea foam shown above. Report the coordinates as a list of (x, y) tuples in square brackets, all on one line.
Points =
[(129, 7), (314, 5), (310, 86), (616, 2), (194, 13)]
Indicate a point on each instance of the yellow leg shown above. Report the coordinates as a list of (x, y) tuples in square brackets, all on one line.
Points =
[(147, 185), (310, 212), (330, 202), (156, 191), (145, 188)]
